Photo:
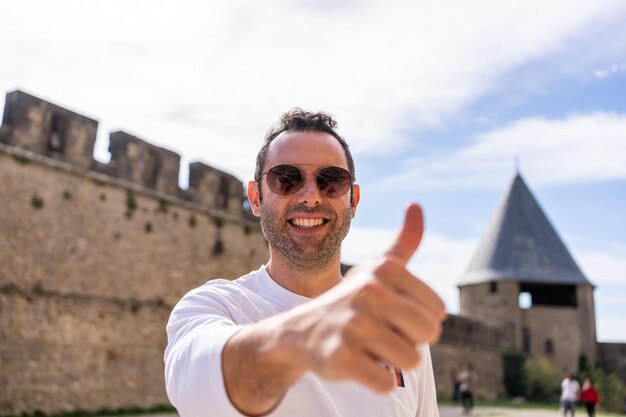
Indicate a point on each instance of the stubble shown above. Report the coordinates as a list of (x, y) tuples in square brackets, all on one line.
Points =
[(307, 253)]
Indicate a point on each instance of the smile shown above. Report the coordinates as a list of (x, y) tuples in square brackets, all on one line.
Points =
[(307, 223)]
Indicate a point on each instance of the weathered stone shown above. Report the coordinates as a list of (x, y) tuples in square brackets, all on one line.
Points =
[(214, 188), (142, 163), (47, 129), (85, 292)]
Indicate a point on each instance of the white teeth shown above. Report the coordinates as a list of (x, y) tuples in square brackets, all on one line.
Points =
[(307, 223)]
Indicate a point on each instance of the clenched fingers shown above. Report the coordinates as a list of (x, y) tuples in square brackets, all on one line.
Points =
[(394, 276)]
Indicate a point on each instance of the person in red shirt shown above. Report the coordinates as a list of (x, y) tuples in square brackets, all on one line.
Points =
[(589, 395)]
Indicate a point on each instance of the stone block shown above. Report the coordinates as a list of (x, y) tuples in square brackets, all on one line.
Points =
[(47, 129)]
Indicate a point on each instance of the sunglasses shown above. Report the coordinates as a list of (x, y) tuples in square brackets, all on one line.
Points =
[(286, 180)]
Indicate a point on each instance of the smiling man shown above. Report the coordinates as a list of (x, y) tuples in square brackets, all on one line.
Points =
[(295, 338)]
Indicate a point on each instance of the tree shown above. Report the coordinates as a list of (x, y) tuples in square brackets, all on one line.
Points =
[(514, 373)]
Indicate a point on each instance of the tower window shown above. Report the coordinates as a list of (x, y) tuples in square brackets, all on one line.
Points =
[(550, 295), (525, 300), (549, 347), (493, 287), (55, 140)]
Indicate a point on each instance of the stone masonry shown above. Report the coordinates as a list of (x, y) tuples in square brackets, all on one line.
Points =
[(93, 257)]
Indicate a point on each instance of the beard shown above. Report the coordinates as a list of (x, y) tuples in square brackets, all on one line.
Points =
[(306, 253)]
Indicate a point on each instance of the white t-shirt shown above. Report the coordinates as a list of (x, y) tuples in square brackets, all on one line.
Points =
[(569, 389), (206, 317)]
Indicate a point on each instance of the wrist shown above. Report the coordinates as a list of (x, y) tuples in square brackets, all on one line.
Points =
[(284, 346)]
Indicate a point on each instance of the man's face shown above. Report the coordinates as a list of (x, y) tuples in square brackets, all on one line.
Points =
[(305, 228)]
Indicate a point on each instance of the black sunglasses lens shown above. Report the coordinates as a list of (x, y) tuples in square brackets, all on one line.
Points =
[(333, 181), (284, 179)]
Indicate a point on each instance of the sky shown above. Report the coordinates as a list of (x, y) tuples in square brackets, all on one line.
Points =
[(437, 99)]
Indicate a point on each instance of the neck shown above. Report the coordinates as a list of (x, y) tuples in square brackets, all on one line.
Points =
[(302, 279)]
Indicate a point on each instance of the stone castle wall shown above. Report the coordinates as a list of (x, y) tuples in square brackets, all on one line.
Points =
[(612, 358), (94, 256), (89, 271), (49, 130), (468, 341)]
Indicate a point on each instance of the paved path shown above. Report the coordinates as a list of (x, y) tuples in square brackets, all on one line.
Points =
[(455, 411)]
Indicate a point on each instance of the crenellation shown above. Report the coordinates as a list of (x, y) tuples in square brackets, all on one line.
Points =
[(477, 332), (215, 188), (47, 129), (142, 163)]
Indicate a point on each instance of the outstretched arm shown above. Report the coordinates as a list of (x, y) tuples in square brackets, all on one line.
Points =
[(381, 312)]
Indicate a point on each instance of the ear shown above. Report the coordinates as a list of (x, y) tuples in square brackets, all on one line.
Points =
[(254, 198), (356, 197)]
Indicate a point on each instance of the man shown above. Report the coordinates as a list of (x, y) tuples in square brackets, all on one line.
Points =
[(294, 338), (569, 394)]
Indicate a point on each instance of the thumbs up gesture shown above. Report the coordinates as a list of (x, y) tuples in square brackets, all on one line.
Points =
[(379, 314)]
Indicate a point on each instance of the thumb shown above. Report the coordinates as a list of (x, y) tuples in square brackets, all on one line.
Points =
[(410, 235)]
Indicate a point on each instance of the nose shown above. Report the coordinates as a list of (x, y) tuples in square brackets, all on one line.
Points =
[(309, 194)]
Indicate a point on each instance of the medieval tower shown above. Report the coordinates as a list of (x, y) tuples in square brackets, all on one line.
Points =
[(523, 275)]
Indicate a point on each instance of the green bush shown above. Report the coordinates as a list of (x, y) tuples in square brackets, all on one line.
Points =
[(611, 389), (544, 384), (514, 373)]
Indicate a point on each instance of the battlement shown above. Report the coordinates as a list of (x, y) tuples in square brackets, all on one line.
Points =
[(47, 129), (50, 130), (474, 332)]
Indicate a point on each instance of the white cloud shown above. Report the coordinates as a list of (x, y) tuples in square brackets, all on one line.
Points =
[(577, 149), (606, 268), (611, 70), (207, 78), (606, 265), (609, 303), (600, 74), (610, 326), (439, 261)]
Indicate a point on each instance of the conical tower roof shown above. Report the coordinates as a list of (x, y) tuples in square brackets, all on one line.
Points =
[(521, 245)]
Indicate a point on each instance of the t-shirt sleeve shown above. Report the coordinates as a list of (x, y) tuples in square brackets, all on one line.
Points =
[(426, 390), (198, 328)]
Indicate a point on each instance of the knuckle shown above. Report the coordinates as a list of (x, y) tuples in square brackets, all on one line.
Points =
[(356, 321), (435, 333), (412, 360), (354, 327), (341, 355), (369, 292)]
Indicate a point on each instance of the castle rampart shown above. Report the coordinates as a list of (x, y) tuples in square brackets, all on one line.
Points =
[(49, 130), (468, 341), (94, 256)]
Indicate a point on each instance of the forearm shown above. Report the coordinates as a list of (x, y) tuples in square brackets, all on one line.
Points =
[(259, 364)]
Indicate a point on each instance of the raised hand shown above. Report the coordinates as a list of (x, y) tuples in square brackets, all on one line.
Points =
[(380, 313)]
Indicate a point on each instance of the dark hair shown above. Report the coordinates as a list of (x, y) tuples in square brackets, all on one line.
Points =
[(298, 120)]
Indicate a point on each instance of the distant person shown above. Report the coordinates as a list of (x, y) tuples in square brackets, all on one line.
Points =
[(456, 390), (569, 394), (467, 387), (590, 396)]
